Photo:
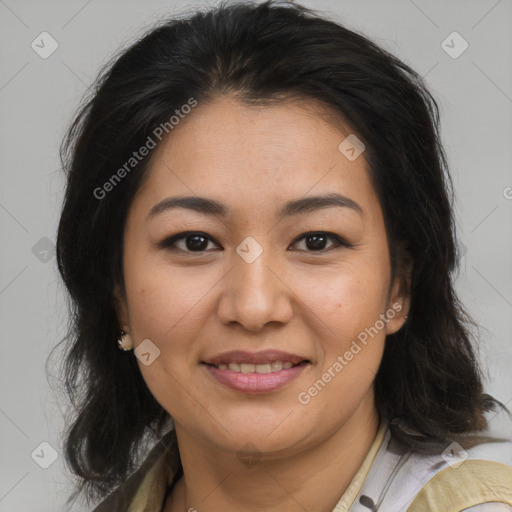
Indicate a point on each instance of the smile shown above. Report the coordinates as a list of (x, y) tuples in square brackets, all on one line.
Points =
[(256, 379), (270, 367)]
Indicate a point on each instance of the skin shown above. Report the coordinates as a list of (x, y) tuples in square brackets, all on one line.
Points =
[(294, 298)]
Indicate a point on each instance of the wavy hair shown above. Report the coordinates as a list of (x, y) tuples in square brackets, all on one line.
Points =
[(429, 378)]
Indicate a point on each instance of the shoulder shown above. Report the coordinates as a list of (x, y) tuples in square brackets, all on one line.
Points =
[(468, 473), (476, 475), (468, 485), (148, 482)]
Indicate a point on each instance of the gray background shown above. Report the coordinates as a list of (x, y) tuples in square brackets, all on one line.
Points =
[(38, 97)]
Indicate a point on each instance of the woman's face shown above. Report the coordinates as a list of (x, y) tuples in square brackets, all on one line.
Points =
[(253, 294)]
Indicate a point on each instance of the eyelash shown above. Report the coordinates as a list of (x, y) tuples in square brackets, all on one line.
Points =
[(169, 243)]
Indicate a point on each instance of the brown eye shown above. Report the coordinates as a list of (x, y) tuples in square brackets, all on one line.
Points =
[(317, 241), (196, 242), (188, 242)]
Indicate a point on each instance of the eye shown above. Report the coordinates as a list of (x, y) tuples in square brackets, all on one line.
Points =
[(197, 241), (193, 241), (316, 241)]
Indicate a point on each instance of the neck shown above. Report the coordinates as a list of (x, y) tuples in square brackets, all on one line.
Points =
[(313, 479)]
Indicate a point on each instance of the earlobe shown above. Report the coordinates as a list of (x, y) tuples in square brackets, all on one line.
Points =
[(125, 342)]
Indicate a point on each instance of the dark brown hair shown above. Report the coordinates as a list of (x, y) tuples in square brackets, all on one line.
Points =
[(429, 377)]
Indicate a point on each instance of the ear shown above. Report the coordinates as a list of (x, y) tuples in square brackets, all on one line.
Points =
[(121, 307), (400, 297)]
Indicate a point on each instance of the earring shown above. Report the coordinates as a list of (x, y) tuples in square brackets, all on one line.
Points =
[(125, 343)]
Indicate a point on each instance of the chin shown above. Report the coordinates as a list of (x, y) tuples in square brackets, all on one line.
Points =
[(267, 437)]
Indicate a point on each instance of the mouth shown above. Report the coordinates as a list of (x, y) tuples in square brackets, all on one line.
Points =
[(256, 373), (268, 367), (265, 361)]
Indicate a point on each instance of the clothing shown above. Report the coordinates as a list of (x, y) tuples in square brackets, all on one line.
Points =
[(392, 478)]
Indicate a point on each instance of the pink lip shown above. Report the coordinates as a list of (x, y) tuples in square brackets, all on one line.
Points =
[(255, 383), (265, 356)]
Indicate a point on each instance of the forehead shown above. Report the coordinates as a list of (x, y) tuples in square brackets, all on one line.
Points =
[(253, 157)]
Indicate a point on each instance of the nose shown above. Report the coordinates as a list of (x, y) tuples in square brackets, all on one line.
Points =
[(255, 294)]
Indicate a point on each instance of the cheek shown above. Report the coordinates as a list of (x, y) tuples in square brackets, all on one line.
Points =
[(349, 348), (343, 300), (169, 306), (167, 301), (342, 306)]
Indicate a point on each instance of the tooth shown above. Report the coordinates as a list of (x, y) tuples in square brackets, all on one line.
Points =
[(273, 366), (263, 368), (277, 366), (247, 368)]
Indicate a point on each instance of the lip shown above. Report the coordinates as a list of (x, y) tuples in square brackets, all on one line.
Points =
[(256, 383), (264, 356)]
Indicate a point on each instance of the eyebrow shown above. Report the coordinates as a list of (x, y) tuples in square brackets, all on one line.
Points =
[(212, 207)]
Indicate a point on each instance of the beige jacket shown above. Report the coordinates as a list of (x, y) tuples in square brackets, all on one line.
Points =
[(391, 479)]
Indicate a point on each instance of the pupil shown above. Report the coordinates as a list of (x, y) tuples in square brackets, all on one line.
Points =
[(195, 245), (318, 242)]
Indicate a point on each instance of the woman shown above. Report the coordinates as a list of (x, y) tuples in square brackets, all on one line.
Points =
[(258, 210)]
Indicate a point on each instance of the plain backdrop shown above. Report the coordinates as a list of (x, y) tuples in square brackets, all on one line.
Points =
[(38, 97)]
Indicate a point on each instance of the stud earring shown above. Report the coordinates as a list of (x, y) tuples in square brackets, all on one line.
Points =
[(125, 343)]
